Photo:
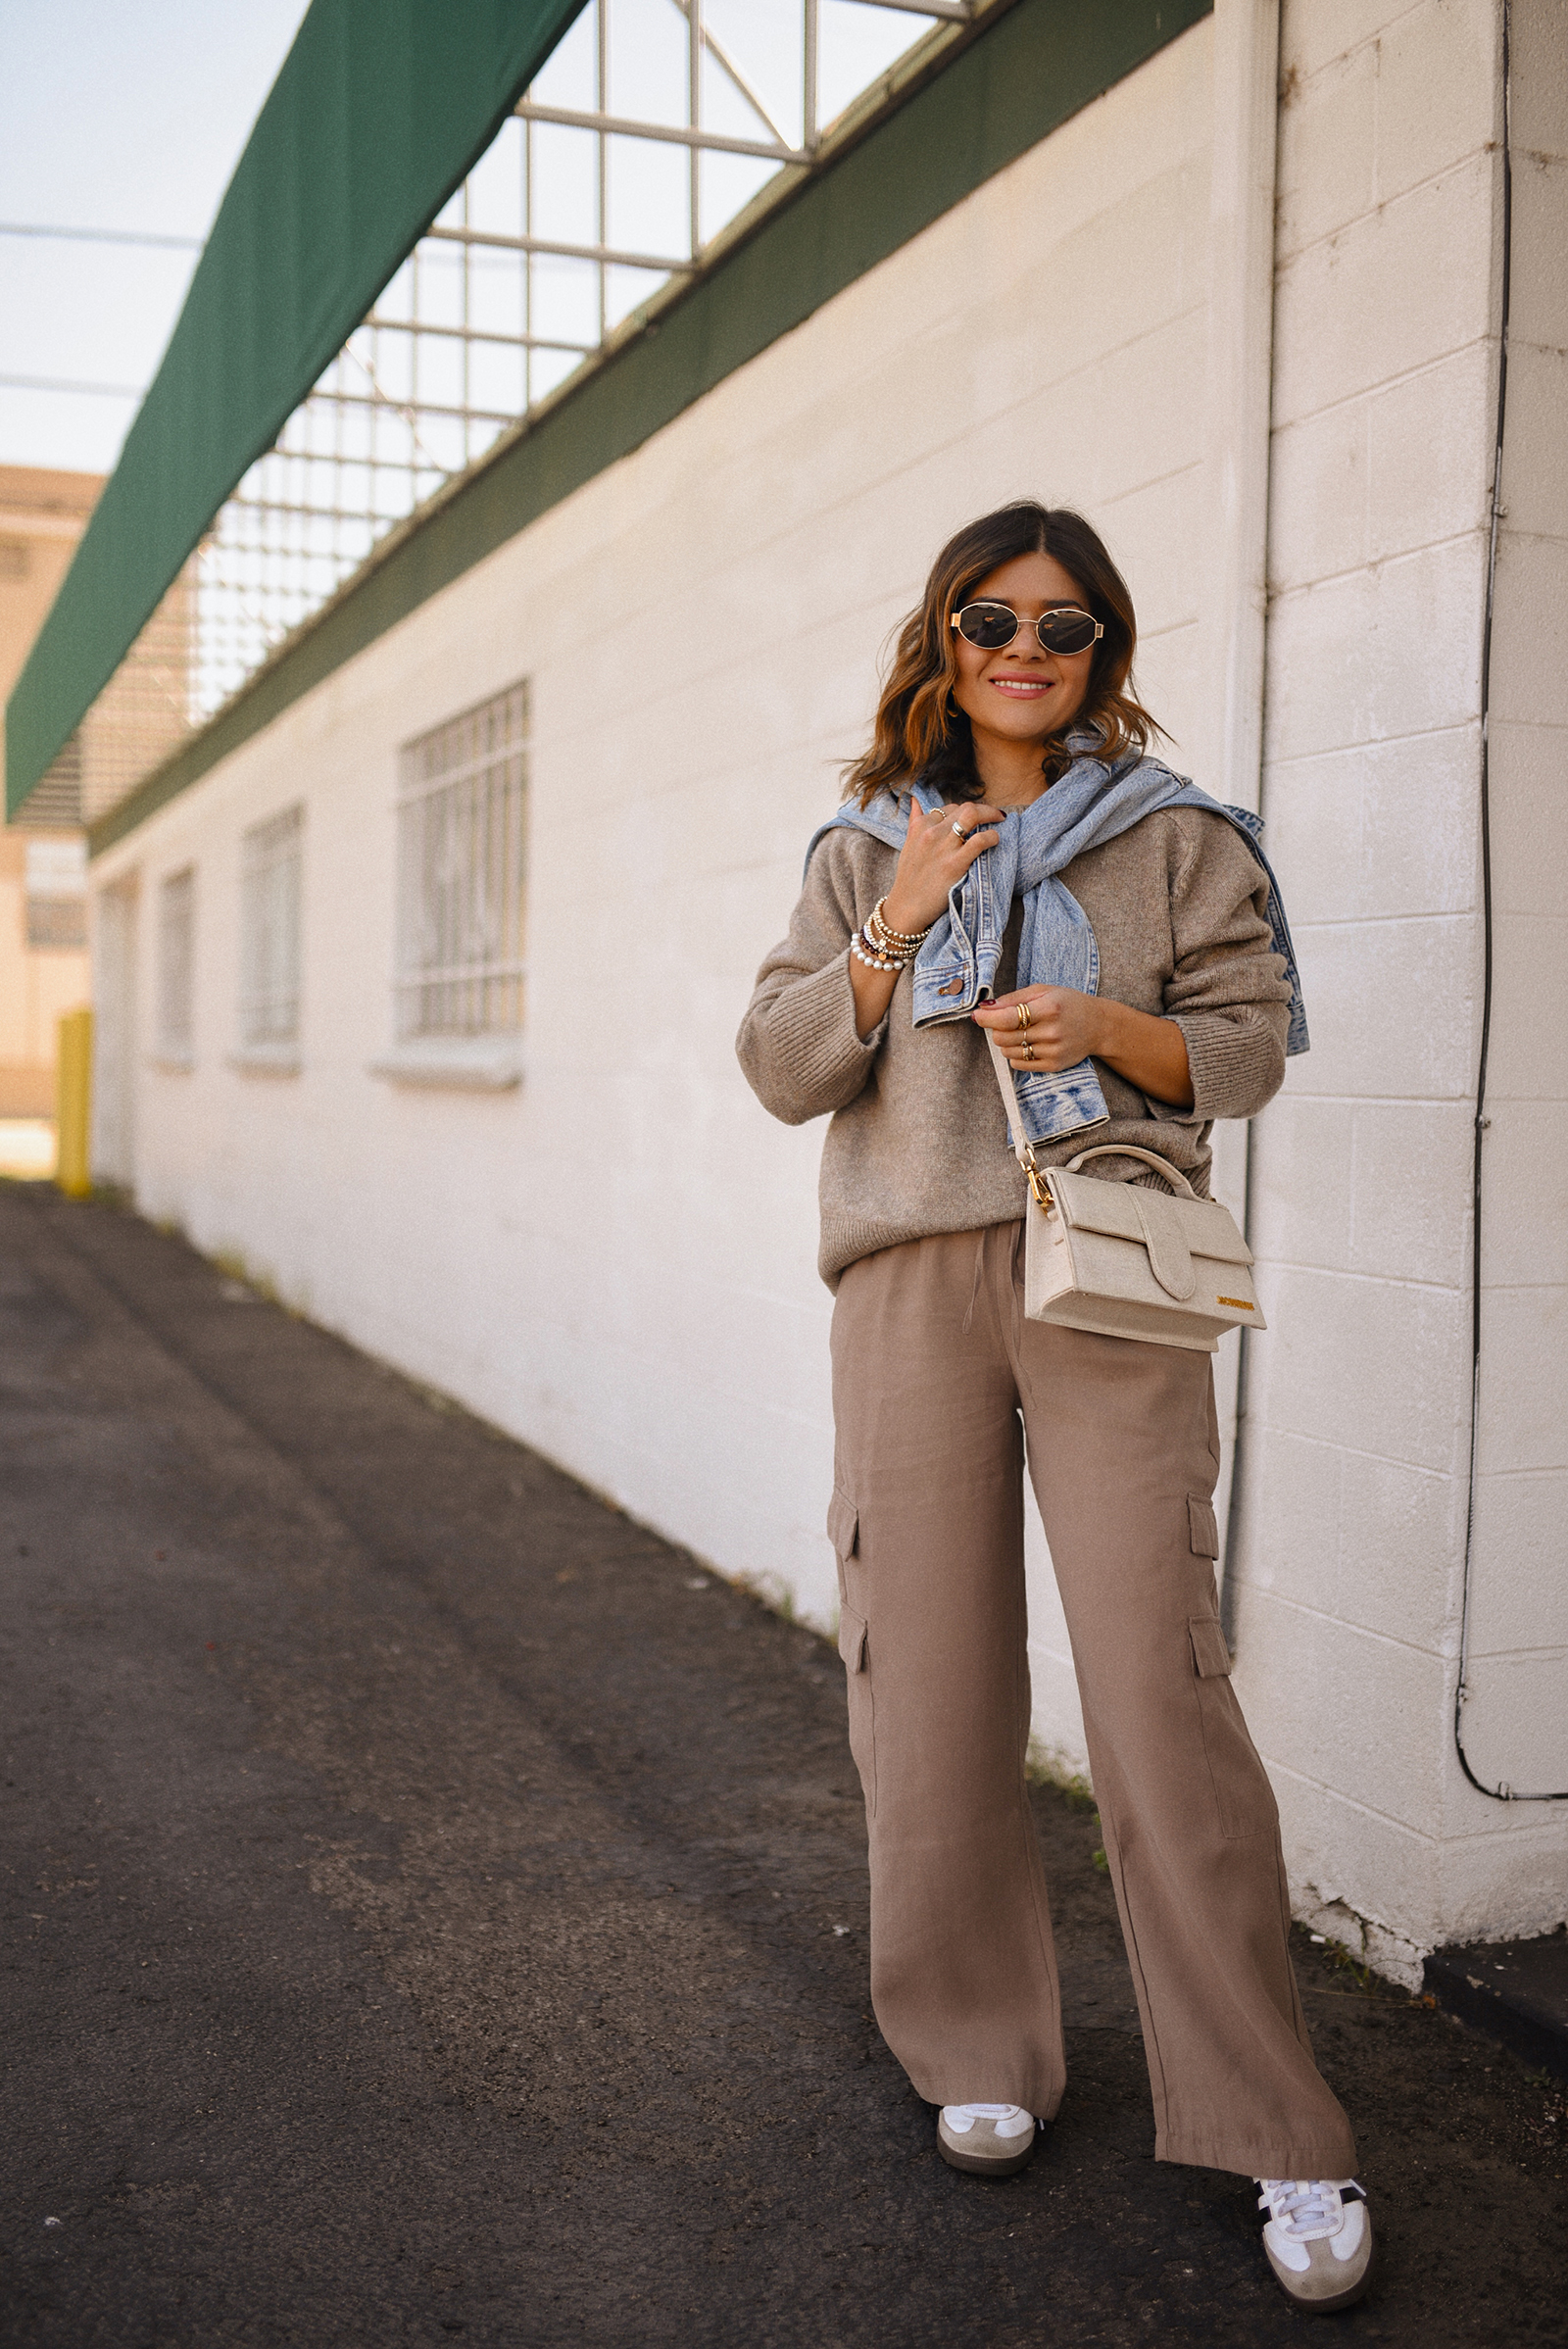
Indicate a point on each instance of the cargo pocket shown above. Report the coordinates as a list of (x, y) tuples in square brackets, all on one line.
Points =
[(1242, 1795), (1211, 1654), (1203, 1526), (843, 1524)]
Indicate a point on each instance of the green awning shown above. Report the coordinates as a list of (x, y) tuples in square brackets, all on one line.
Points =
[(380, 111)]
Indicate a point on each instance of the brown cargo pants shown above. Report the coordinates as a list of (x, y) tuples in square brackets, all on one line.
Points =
[(934, 1367)]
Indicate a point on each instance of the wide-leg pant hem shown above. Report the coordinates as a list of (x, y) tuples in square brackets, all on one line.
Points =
[(1021, 2091), (1257, 2161)]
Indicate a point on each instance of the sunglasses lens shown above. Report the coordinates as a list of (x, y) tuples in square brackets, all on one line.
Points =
[(988, 626), (1066, 632)]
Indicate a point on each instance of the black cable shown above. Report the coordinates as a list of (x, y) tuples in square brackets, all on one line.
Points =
[(1498, 1793)]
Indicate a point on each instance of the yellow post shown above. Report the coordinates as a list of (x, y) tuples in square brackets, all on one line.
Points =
[(72, 1104)]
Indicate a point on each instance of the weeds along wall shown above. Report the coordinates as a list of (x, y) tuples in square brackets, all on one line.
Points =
[(613, 1258)]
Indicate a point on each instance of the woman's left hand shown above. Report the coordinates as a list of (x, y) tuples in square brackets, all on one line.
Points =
[(1064, 1027)]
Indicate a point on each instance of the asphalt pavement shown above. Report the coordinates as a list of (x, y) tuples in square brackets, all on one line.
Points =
[(433, 1908)]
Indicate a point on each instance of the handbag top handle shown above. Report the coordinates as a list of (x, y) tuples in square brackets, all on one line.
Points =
[(1024, 1150)]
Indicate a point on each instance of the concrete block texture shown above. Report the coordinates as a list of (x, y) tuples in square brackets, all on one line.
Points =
[(1530, 1005), (1393, 1008), (1380, 829), (1516, 1721), (1375, 1366), (1535, 455), (1389, 650), (1395, 289), (1524, 1378), (1523, 1215), (1540, 76), (1348, 1535), (1337, 1703), (1529, 674), (1538, 300), (1529, 839), (1518, 1594)]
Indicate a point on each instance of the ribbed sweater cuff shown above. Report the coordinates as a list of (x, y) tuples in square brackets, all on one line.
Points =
[(1232, 1063), (811, 1034)]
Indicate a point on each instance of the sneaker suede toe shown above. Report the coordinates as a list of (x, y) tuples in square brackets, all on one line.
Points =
[(989, 2140)]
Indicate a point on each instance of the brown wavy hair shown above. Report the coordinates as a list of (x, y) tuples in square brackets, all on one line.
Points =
[(920, 730)]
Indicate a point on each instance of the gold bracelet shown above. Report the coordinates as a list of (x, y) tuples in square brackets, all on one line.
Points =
[(880, 927)]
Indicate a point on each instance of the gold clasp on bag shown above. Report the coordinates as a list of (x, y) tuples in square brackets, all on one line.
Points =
[(1035, 1179)]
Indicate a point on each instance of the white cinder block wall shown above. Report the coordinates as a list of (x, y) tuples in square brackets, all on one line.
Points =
[(1348, 1584), (616, 1259)]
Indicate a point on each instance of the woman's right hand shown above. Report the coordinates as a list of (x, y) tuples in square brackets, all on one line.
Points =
[(935, 858)]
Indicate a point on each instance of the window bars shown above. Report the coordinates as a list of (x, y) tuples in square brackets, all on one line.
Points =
[(56, 894), (462, 871), (270, 932), (177, 967), (652, 128)]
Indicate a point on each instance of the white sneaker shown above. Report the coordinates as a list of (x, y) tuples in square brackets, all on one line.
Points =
[(991, 2140), (1318, 2240)]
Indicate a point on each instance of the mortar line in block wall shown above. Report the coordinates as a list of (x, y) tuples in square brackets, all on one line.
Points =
[(1375, 215), (1427, 1836), (1349, 1622), (1370, 1280), (1373, 566)]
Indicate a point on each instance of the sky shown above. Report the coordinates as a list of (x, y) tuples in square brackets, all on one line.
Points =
[(113, 113), (132, 114)]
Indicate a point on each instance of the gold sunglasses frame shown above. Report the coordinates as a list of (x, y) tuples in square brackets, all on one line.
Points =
[(1057, 611)]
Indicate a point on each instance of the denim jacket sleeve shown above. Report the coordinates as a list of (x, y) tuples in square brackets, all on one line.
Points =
[(798, 1044)]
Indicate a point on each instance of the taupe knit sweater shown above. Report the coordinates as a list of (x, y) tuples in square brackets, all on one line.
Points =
[(917, 1141)]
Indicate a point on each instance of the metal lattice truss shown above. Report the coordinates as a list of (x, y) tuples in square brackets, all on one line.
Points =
[(655, 131), (653, 127)]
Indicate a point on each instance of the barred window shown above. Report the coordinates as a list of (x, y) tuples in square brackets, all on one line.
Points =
[(177, 966), (56, 894), (270, 930), (461, 848)]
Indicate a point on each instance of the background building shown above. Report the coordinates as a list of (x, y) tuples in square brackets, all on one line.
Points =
[(43, 858), (418, 962)]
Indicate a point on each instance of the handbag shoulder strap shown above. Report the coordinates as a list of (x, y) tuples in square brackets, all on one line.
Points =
[(1024, 1150)]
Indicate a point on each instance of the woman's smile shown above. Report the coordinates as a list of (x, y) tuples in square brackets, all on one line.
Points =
[(1022, 688)]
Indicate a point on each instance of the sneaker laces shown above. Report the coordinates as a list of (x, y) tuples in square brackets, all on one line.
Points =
[(1308, 2209)]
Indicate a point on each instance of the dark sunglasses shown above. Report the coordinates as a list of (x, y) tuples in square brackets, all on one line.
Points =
[(991, 625)]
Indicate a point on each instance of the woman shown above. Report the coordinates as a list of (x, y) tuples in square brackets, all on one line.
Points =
[(1007, 810)]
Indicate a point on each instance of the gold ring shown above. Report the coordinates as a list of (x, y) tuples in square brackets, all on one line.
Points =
[(1024, 1017), (1028, 1051)]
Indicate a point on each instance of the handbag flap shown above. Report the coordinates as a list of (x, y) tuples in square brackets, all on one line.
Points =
[(1088, 1203)]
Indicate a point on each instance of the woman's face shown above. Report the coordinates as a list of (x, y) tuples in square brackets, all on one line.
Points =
[(1023, 693)]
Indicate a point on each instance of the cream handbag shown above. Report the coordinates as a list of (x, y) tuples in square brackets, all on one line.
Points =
[(1125, 1261)]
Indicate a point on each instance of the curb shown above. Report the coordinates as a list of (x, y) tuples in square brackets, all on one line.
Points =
[(1515, 1992)]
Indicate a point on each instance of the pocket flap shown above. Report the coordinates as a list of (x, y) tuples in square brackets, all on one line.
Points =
[(1210, 1652), (1094, 1204), (851, 1640), (842, 1523), (1204, 1527)]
